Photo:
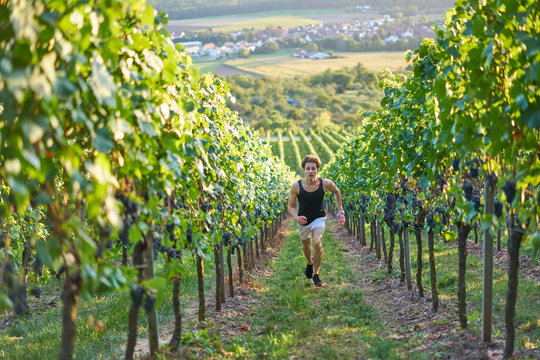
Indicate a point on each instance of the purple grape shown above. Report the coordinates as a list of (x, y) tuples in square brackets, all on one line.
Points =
[(36, 291), (509, 189), (149, 304), (137, 296), (477, 204), (455, 164), (498, 208), (492, 180), (468, 190)]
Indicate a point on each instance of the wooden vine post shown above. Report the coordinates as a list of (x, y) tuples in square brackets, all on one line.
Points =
[(487, 290)]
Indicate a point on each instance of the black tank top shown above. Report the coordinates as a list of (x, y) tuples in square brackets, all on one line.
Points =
[(310, 203)]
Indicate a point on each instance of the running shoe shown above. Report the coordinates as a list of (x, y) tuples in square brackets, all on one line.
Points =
[(309, 271), (316, 280)]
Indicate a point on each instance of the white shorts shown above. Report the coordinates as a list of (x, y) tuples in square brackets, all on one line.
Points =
[(305, 231)]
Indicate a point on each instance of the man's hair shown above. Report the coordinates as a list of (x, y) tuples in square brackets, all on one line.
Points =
[(311, 158)]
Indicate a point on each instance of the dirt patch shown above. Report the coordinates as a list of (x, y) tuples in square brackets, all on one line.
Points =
[(500, 259), (406, 314)]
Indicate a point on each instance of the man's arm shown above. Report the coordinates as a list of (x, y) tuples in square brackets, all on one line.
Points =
[(330, 186), (293, 194)]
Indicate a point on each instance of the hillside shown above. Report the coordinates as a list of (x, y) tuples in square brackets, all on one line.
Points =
[(301, 102)]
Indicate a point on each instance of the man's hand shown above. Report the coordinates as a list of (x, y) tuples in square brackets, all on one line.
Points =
[(301, 220), (341, 218)]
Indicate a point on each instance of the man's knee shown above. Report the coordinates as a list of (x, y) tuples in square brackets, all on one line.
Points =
[(306, 242)]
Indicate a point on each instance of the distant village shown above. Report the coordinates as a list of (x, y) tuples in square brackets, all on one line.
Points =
[(357, 30)]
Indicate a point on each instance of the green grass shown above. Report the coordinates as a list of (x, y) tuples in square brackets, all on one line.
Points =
[(297, 320)]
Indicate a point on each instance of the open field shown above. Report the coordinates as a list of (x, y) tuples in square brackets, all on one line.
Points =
[(217, 67), (263, 23), (288, 67), (286, 18)]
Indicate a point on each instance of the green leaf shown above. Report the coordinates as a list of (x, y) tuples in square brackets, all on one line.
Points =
[(531, 116), (135, 234)]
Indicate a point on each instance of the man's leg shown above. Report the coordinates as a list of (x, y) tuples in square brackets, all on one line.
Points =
[(317, 247), (306, 247)]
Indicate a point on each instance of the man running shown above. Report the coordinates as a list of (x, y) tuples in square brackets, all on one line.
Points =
[(311, 215)]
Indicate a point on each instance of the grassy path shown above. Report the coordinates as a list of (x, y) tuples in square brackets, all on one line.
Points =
[(294, 319)]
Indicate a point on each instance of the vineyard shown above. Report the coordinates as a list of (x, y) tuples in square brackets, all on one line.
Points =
[(141, 217), (291, 146)]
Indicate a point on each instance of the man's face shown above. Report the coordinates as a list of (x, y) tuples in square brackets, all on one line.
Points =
[(310, 170)]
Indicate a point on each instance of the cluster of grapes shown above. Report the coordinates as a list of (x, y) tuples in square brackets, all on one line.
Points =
[(492, 179), (239, 242), (131, 214), (430, 219), (36, 291), (206, 206), (473, 168), (468, 189), (226, 237), (170, 251), (471, 195), (389, 208), (455, 164), (401, 194), (362, 206), (498, 208), (509, 189), (137, 296), (16, 291), (189, 235), (477, 203)]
